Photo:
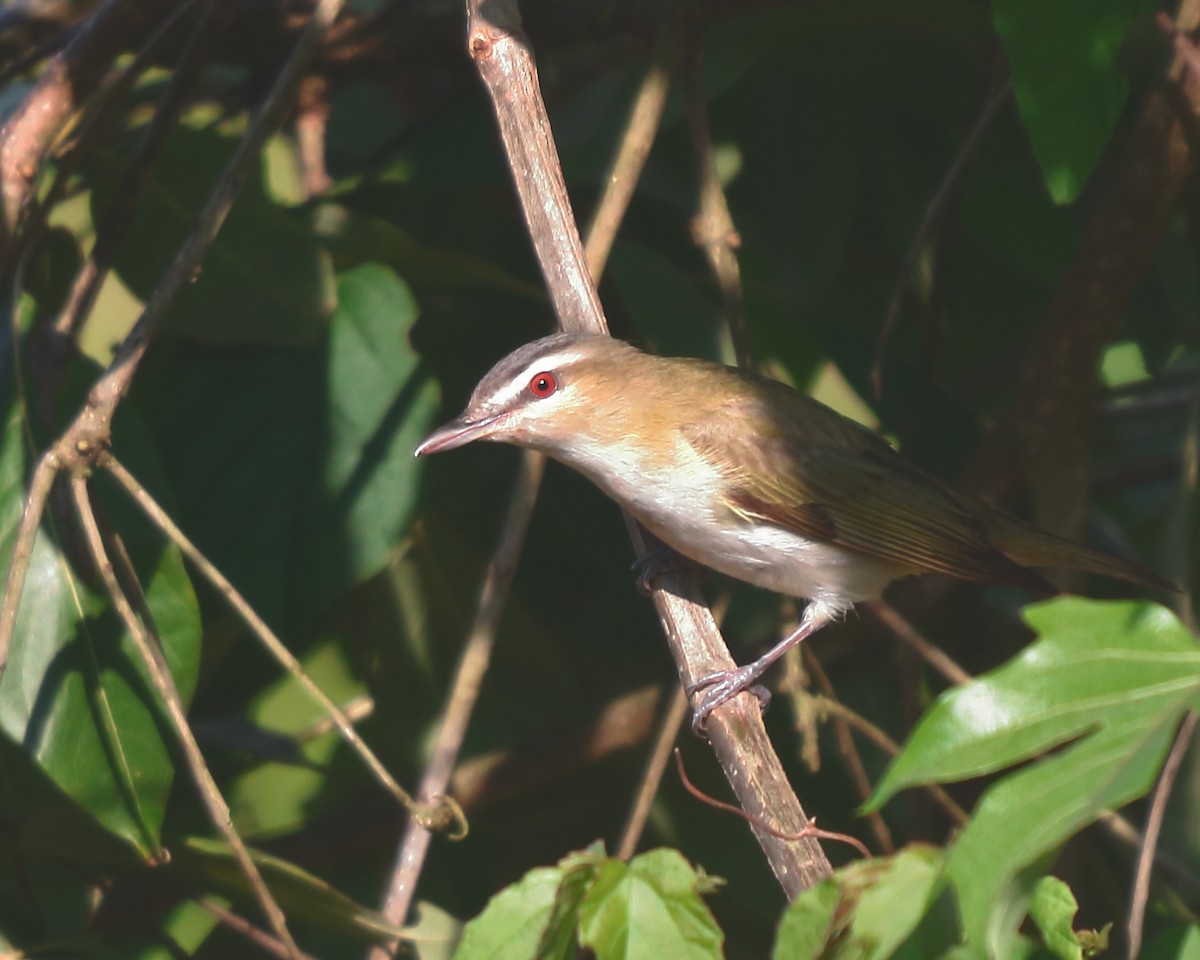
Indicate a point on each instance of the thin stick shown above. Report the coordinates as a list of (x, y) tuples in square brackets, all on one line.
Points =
[(243, 927), (652, 772), (476, 655), (713, 229), (1121, 830), (119, 216), (949, 182), (468, 678), (116, 379), (164, 683), (810, 828), (1154, 819), (889, 746), (18, 563), (283, 656), (628, 164), (912, 638), (29, 132), (849, 752), (502, 55), (90, 431)]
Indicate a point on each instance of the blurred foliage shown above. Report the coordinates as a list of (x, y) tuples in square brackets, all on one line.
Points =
[(276, 414)]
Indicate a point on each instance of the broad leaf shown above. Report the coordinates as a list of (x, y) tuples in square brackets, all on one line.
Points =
[(536, 917), (865, 910), (649, 907), (75, 694), (265, 278), (1108, 684), (293, 467), (1062, 57)]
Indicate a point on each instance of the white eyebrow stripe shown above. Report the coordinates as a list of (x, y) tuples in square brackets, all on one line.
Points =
[(542, 364)]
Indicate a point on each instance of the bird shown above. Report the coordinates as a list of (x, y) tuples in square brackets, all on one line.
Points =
[(742, 474)]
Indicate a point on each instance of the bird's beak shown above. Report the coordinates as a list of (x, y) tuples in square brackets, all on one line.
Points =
[(458, 432)]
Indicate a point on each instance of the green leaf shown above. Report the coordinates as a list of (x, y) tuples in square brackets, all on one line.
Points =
[(75, 695), (1180, 943), (265, 278), (211, 864), (1053, 910), (1062, 57), (535, 917), (866, 910), (648, 908), (1106, 682), (293, 467)]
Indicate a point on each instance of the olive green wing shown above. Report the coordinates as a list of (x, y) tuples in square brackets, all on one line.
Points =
[(831, 480)]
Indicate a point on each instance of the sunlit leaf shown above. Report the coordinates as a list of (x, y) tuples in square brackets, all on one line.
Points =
[(1107, 683)]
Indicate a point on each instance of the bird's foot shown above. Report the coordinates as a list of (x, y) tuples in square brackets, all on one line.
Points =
[(656, 562), (723, 686)]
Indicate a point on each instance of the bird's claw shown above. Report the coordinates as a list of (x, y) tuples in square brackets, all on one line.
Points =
[(653, 564), (721, 687)]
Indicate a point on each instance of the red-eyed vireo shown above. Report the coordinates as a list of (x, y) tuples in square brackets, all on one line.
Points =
[(746, 476)]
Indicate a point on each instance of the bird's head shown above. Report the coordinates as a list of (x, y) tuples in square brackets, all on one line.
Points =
[(544, 395)]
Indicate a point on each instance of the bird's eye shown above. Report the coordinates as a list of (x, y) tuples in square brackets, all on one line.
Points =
[(543, 384)]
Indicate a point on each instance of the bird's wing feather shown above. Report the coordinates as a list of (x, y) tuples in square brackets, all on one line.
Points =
[(830, 480)]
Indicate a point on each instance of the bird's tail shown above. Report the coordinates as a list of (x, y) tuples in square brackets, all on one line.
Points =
[(1031, 547)]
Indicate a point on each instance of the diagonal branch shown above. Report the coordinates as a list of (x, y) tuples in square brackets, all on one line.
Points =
[(476, 655), (72, 75), (503, 57), (151, 653), (434, 816)]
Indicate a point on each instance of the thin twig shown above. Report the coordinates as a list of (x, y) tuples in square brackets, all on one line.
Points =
[(849, 752), (243, 927), (216, 208), (932, 210), (118, 218), (22, 552), (69, 143), (503, 58), (713, 229), (160, 674), (28, 133), (835, 708), (627, 165), (434, 815), (525, 768), (1124, 832), (912, 638), (652, 771), (476, 655), (468, 678), (1154, 820), (810, 829)]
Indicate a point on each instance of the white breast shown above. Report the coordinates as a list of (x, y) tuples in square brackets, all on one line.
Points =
[(682, 507)]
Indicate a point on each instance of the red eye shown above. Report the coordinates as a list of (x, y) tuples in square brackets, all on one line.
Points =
[(543, 384)]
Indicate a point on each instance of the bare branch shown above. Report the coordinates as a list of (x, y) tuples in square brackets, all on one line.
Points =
[(501, 53), (933, 210), (160, 674), (713, 229), (912, 638), (653, 770), (70, 78), (468, 678), (1154, 821), (432, 816), (849, 752), (628, 164), (243, 927), (476, 655)]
